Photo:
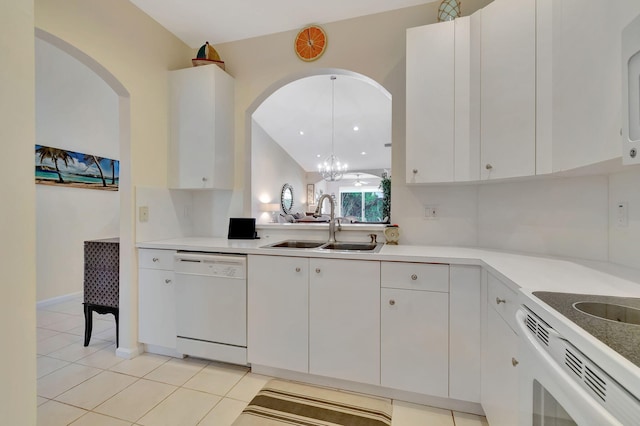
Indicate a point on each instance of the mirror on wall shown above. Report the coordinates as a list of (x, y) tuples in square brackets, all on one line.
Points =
[(286, 199), (302, 123)]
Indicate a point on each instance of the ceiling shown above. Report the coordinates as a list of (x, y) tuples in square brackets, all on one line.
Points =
[(305, 106), (220, 21)]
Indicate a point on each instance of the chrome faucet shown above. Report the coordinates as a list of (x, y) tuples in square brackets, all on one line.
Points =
[(332, 220)]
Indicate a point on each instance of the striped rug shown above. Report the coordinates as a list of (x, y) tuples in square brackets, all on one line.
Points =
[(288, 403)]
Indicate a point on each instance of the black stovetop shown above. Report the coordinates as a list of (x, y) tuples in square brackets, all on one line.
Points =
[(622, 337)]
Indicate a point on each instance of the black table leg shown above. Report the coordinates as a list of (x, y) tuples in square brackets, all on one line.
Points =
[(88, 323)]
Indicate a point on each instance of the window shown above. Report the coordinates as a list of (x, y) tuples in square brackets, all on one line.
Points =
[(363, 203)]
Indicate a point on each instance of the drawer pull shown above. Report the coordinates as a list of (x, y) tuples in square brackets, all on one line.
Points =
[(488, 167), (392, 302), (414, 277), (415, 171), (499, 301), (155, 259), (317, 270), (167, 281), (514, 362), (298, 269)]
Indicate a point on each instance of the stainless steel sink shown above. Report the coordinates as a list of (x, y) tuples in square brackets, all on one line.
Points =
[(345, 246), (297, 244), (611, 312), (324, 246)]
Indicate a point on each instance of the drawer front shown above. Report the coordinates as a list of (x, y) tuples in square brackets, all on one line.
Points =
[(503, 300), (156, 259), (415, 276)]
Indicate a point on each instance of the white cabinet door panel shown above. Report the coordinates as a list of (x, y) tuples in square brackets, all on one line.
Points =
[(278, 312), (508, 89), (156, 308), (430, 103), (344, 319), (465, 332), (500, 376), (415, 341)]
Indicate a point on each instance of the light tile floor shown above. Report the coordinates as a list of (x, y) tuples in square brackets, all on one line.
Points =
[(91, 386)]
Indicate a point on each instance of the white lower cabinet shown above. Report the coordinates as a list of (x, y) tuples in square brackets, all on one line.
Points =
[(464, 333), (415, 341), (344, 319), (499, 371), (156, 298), (278, 312)]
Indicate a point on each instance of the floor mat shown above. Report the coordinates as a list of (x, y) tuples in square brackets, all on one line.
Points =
[(287, 403)]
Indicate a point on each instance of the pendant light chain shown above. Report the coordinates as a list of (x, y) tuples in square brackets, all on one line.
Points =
[(331, 169)]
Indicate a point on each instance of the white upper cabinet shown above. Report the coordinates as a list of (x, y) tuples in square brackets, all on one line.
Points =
[(439, 104), (508, 88), (579, 54), (201, 147)]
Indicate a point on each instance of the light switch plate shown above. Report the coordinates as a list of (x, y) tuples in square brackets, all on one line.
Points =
[(143, 214), (622, 214)]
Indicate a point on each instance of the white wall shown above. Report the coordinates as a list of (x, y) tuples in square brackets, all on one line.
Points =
[(624, 241), (17, 224), (132, 52), (562, 217), (272, 167), (75, 110)]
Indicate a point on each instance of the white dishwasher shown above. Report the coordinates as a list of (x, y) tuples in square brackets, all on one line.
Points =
[(211, 306)]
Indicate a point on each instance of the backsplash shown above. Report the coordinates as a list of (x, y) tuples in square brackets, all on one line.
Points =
[(569, 217)]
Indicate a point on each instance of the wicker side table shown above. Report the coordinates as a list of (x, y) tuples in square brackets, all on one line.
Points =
[(101, 282)]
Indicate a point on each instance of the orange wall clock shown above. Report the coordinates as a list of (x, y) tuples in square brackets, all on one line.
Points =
[(310, 43)]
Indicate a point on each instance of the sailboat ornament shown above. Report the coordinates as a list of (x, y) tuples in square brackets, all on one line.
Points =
[(207, 55)]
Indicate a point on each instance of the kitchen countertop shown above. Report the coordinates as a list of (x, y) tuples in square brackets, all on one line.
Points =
[(526, 273)]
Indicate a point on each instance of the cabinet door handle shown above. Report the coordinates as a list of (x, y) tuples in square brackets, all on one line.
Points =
[(415, 171), (155, 259), (392, 302), (204, 179), (499, 301), (488, 166), (298, 269), (317, 270), (414, 277), (514, 362), (167, 281)]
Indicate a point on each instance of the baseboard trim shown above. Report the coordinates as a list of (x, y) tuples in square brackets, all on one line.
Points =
[(57, 299), (129, 353), (161, 350), (416, 398)]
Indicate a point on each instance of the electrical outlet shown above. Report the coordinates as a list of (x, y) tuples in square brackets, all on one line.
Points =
[(143, 214), (622, 214), (431, 212)]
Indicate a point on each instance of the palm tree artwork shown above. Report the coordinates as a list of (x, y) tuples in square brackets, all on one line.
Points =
[(56, 166), (92, 159), (55, 155)]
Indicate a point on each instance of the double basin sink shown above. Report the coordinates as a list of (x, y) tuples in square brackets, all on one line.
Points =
[(325, 246)]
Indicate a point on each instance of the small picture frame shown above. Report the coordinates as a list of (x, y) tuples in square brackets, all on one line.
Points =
[(311, 194)]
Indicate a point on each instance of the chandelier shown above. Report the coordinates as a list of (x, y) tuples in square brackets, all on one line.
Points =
[(332, 168)]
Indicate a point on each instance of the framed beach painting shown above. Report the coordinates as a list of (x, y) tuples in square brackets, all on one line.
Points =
[(56, 166)]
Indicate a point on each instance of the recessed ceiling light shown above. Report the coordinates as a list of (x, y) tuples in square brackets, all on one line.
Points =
[(317, 155), (356, 128), (363, 153), (301, 133)]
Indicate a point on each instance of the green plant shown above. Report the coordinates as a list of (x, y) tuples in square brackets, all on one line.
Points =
[(385, 186)]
